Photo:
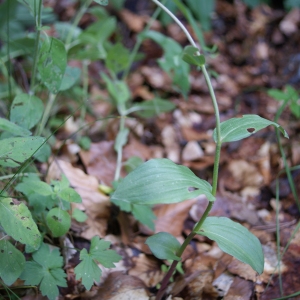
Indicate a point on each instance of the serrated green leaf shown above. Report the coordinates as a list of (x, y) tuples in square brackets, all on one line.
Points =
[(46, 271), (16, 220), (70, 195), (52, 63), (164, 245), (79, 215), (151, 108), (12, 262), (12, 128), (88, 269), (190, 55), (16, 150), (71, 76), (236, 129), (144, 214), (26, 110), (234, 239), (59, 221), (160, 181)]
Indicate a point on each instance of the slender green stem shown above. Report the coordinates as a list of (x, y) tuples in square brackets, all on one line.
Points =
[(216, 162), (139, 42), (286, 166), (119, 151), (47, 113), (77, 19), (36, 45), (278, 236), (15, 176), (85, 76)]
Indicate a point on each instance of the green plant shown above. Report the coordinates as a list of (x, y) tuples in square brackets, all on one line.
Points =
[(162, 181), (44, 210)]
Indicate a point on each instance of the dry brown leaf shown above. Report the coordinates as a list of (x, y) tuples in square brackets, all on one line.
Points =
[(171, 217), (119, 286), (236, 267), (240, 289), (289, 24), (100, 161), (148, 269), (192, 151), (134, 22)]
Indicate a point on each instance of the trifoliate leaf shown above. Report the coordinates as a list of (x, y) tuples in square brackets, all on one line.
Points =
[(88, 269), (46, 271), (12, 262)]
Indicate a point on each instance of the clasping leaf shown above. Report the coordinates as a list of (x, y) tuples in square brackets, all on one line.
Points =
[(234, 239), (236, 129), (160, 181)]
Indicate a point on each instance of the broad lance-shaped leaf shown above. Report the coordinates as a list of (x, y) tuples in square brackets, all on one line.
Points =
[(236, 129), (16, 150), (160, 181), (16, 220), (236, 240), (12, 262), (164, 245)]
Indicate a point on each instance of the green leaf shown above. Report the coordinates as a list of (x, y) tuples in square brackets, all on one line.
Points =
[(71, 76), (43, 154), (171, 61), (38, 193), (12, 128), (85, 143), (101, 2), (117, 59), (236, 129), (164, 245), (46, 271), (88, 269), (278, 94), (117, 89), (190, 55), (70, 195), (121, 139), (16, 150), (160, 181), (154, 107), (144, 214), (12, 262), (16, 220), (132, 163), (234, 239), (59, 221), (79, 215), (26, 110), (52, 63)]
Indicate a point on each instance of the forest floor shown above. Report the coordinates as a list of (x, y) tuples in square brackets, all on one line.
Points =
[(258, 49)]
